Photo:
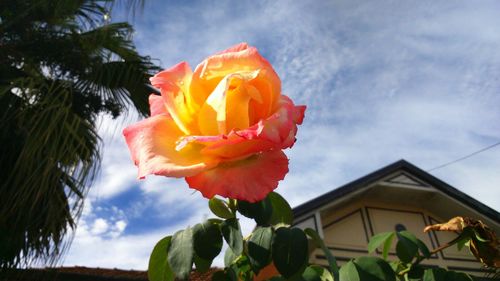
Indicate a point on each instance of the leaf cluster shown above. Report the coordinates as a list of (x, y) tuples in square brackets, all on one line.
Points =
[(272, 243), (277, 251), (410, 252)]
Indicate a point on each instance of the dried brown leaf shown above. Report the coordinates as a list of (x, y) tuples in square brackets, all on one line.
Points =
[(454, 224), (483, 242)]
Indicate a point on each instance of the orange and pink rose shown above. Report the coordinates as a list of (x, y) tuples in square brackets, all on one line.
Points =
[(223, 127)]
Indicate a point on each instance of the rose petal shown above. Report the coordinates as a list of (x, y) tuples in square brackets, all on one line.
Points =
[(227, 106), (157, 105), (298, 114), (278, 126), (240, 58), (236, 48), (237, 146), (174, 86), (250, 179), (152, 144), (276, 132), (297, 111)]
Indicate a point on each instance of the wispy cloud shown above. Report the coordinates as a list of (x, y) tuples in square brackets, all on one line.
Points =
[(382, 80)]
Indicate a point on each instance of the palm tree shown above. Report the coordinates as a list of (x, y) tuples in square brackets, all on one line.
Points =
[(62, 63)]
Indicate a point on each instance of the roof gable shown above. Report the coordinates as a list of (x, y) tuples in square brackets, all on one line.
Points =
[(406, 179), (406, 175)]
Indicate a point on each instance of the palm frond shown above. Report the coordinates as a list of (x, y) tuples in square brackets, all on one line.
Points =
[(61, 65), (56, 156)]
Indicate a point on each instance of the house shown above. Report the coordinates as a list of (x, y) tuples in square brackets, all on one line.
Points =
[(398, 197)]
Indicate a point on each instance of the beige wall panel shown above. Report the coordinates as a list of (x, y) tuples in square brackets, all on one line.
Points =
[(384, 220), (347, 232)]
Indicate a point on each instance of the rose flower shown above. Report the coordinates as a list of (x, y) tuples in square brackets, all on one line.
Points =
[(222, 127)]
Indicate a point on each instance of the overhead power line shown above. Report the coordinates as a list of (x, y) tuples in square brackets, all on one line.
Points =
[(464, 157)]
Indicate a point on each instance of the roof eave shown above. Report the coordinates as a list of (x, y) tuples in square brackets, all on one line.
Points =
[(402, 164)]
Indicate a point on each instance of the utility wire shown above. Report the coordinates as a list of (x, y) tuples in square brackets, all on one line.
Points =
[(464, 157)]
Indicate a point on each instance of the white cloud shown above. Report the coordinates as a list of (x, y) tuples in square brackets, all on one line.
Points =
[(120, 225), (117, 172), (100, 226), (131, 251), (103, 245), (382, 81)]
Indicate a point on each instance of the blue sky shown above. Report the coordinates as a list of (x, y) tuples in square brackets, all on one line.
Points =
[(383, 80)]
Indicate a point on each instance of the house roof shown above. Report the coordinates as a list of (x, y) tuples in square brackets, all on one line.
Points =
[(81, 273), (401, 165)]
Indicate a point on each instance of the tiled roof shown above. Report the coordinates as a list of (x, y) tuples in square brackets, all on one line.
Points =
[(81, 273), (104, 272)]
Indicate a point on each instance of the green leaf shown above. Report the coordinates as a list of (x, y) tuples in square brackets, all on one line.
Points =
[(396, 266), (405, 253), (387, 246), (478, 236), (440, 274), (464, 238), (158, 268), (282, 212), (202, 265), (408, 235), (232, 234), (219, 208), (207, 239), (220, 276), (180, 255), (349, 272), (374, 269), (259, 247), (232, 273), (406, 249), (290, 251), (316, 273), (434, 274), (310, 275), (461, 243), (243, 268), (423, 249), (332, 262), (416, 272), (379, 239), (421, 245), (229, 257), (260, 211)]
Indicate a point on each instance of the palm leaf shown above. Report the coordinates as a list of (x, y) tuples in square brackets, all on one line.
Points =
[(62, 66), (56, 155)]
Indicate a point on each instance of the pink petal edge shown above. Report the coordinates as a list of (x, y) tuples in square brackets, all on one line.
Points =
[(157, 105), (249, 179), (152, 144)]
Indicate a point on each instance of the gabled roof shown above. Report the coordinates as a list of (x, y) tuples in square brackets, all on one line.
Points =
[(401, 165)]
